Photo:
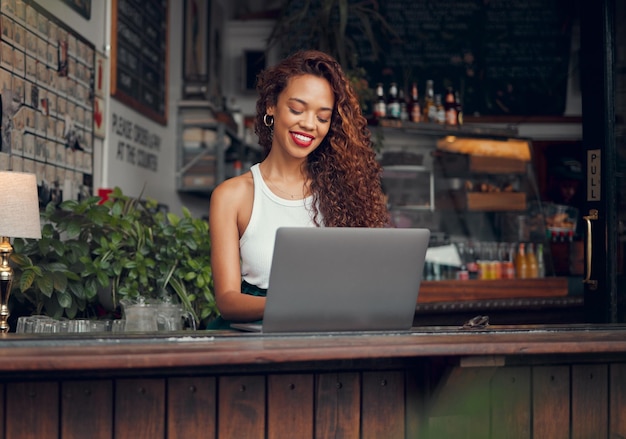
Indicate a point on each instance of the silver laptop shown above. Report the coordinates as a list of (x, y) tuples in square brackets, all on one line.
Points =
[(343, 279)]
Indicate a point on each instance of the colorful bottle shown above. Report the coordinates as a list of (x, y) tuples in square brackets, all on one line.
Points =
[(415, 111), (450, 107), (531, 261), (521, 264), (393, 103), (508, 263), (380, 106)]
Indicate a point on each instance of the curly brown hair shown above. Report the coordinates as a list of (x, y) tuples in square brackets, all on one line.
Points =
[(345, 175)]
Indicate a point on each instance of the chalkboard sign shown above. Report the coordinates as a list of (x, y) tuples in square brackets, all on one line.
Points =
[(503, 56), (139, 56)]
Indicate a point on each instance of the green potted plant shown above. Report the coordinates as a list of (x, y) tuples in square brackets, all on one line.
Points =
[(125, 247)]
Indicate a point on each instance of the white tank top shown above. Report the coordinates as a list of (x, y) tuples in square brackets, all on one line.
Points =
[(269, 212)]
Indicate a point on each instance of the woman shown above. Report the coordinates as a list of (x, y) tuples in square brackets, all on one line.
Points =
[(319, 170)]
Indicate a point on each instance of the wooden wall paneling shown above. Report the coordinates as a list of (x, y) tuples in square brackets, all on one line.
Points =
[(550, 402), (87, 409), (191, 407), (510, 403), (241, 402), (290, 408), (415, 401), (32, 410), (617, 407), (382, 405), (460, 403), (338, 400), (139, 408), (589, 401)]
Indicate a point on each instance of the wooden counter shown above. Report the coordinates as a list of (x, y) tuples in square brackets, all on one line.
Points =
[(434, 382)]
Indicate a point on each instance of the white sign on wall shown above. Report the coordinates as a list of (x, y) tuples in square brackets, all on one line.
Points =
[(136, 144)]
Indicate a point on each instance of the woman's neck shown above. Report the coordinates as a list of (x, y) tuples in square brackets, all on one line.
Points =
[(285, 181)]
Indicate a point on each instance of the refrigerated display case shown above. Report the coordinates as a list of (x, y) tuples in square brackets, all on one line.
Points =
[(475, 188)]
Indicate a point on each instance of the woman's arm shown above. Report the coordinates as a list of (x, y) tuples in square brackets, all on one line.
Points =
[(230, 210)]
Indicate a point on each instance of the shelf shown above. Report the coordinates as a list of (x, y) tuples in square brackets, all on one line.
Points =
[(438, 130), (405, 168), (198, 181), (207, 147), (463, 165), (412, 208), (482, 202), (461, 290)]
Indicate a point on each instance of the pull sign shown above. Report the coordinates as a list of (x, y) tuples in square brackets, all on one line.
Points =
[(594, 174)]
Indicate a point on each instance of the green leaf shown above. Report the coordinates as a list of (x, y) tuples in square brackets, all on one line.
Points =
[(26, 280), (73, 229), (77, 289), (91, 290), (21, 261), (72, 310), (58, 246), (103, 279), (45, 285), (60, 282), (54, 266), (64, 299), (70, 275)]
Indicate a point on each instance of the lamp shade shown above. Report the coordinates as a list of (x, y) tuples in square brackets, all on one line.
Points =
[(19, 205)]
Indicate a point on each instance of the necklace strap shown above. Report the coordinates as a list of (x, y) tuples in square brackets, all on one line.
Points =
[(284, 192)]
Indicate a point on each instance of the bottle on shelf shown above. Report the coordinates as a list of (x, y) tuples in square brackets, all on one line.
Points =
[(472, 265), (541, 265), (521, 263), (393, 103), (429, 110), (380, 105), (508, 262), (459, 109), (531, 261), (450, 107), (440, 112), (404, 114), (415, 111), (496, 262), (462, 273), (484, 261)]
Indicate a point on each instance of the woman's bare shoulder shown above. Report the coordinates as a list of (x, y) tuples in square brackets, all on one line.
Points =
[(234, 191), (231, 203), (235, 186)]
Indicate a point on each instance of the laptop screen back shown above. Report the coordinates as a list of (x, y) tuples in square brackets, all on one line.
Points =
[(344, 279)]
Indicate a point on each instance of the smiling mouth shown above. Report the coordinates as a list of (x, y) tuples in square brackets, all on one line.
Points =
[(301, 139)]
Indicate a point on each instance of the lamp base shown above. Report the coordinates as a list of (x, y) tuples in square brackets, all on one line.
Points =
[(6, 278)]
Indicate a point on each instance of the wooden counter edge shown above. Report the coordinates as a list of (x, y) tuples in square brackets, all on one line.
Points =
[(270, 351)]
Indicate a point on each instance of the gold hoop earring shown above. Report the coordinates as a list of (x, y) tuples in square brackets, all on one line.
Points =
[(268, 120)]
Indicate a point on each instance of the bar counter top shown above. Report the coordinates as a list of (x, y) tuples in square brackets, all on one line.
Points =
[(73, 352), (552, 381)]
